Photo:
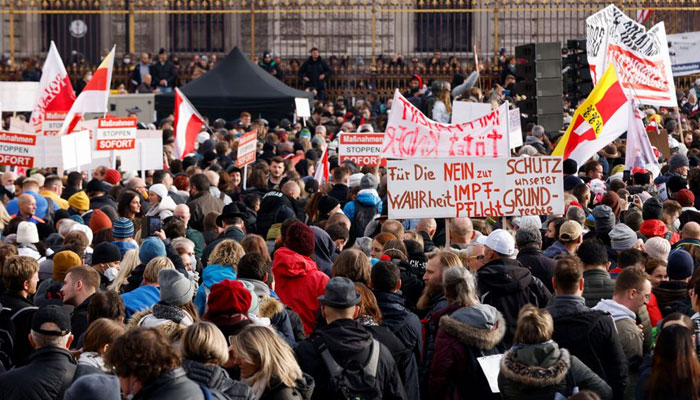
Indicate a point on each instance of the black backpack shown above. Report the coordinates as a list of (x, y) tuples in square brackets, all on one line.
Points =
[(7, 334), (363, 216), (354, 381)]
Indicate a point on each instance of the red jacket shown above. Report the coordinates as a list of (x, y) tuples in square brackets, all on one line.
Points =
[(654, 312), (299, 283)]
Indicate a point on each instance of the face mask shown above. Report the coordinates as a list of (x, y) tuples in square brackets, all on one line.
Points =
[(111, 273), (193, 262), (193, 276), (10, 188), (677, 224)]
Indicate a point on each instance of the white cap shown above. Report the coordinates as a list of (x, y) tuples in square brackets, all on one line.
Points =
[(355, 179), (27, 233), (499, 241), (85, 229), (160, 190), (528, 221)]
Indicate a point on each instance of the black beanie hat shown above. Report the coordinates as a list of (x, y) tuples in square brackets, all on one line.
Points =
[(652, 209)]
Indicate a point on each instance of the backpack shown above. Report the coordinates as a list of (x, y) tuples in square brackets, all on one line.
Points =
[(363, 216), (354, 381), (7, 334), (428, 104), (575, 335)]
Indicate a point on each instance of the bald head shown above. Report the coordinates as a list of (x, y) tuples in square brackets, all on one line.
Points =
[(394, 227), (427, 225), (461, 230), (213, 178), (27, 205), (691, 230), (8, 178), (291, 189), (182, 212)]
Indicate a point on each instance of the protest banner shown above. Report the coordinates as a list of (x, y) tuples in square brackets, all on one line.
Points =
[(515, 130), (18, 96), (247, 149), (52, 121), (475, 187), (302, 106), (410, 134), (17, 124), (641, 57), (684, 51), (361, 148), (17, 149), (148, 153), (116, 133), (465, 111)]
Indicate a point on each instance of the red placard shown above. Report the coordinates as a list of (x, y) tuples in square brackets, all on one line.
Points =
[(247, 149), (17, 149), (361, 148), (116, 133)]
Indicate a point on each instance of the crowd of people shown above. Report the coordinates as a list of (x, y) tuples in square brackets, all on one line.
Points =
[(197, 282)]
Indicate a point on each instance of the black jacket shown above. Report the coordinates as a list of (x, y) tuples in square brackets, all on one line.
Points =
[(276, 207), (591, 336), (279, 391), (232, 233), (340, 192), (403, 357), (506, 285), (597, 285), (79, 321), (19, 326), (347, 340), (101, 201), (171, 385), (428, 244), (165, 71), (540, 266), (430, 321), (216, 378), (48, 374), (313, 69), (400, 320), (672, 296)]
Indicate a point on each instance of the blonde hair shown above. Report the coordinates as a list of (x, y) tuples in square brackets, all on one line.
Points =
[(447, 258), (272, 356), (4, 216), (227, 253), (150, 274), (444, 96), (534, 326), (460, 286), (129, 262), (204, 342)]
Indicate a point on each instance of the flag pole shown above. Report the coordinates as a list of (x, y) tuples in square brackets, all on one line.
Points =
[(245, 177)]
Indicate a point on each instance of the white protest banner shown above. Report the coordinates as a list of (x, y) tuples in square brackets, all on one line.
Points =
[(464, 111), (641, 57), (17, 149), (684, 51), (361, 148), (148, 153), (116, 133), (18, 96), (247, 149), (515, 130), (52, 121), (475, 187), (410, 134), (17, 124), (302, 106), (76, 149)]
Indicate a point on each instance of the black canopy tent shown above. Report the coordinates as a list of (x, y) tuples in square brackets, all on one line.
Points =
[(234, 85)]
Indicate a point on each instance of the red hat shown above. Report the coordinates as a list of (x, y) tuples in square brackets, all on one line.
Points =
[(652, 228), (686, 198), (300, 239), (228, 297), (639, 170), (99, 221), (112, 176)]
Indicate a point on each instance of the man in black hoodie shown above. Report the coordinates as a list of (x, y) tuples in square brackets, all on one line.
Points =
[(343, 341), (314, 72), (504, 283)]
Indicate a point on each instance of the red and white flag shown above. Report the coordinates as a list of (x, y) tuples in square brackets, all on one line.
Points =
[(55, 90), (188, 124), (639, 152), (321, 174), (94, 97), (643, 15)]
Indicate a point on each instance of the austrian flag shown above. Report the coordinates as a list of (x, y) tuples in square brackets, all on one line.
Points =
[(602, 118), (188, 124)]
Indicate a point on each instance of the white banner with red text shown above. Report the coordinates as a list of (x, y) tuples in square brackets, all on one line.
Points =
[(247, 148), (361, 148)]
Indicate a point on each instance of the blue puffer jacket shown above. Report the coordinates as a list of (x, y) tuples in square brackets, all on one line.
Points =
[(367, 197), (211, 275)]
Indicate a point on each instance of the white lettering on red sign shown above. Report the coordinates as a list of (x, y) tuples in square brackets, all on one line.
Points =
[(361, 148), (116, 133)]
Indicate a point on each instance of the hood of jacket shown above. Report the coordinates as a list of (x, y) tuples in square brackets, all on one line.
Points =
[(538, 365), (259, 287), (166, 204), (345, 337), (215, 273), (670, 291), (324, 249), (480, 326), (291, 264), (503, 276), (368, 197), (617, 310), (304, 385)]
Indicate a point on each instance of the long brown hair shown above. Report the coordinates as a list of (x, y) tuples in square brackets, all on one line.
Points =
[(368, 303), (253, 243), (675, 371)]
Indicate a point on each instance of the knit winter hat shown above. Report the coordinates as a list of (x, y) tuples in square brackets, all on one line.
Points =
[(113, 177), (652, 209), (123, 228), (151, 248), (300, 239), (680, 265), (622, 237), (633, 218), (175, 288), (613, 200), (369, 181), (160, 190), (653, 228), (105, 252), (62, 262), (604, 218), (677, 161), (570, 182), (94, 386), (658, 248), (327, 203), (79, 201), (99, 221), (229, 297), (95, 185), (27, 233)]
